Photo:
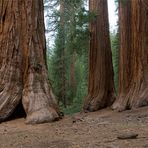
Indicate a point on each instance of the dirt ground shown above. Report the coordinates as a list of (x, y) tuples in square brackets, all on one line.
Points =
[(93, 130)]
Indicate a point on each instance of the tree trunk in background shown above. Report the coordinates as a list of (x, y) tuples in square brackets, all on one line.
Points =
[(62, 95), (73, 84), (133, 73), (23, 71), (73, 53), (101, 83)]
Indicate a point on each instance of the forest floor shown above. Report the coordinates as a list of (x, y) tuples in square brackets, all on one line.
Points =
[(92, 130)]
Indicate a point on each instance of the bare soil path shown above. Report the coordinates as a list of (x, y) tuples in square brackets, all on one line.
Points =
[(93, 130)]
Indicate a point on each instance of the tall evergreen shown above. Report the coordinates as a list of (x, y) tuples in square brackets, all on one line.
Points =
[(72, 38)]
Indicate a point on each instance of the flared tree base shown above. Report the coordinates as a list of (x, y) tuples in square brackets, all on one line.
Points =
[(38, 100), (10, 89), (42, 116), (96, 103), (131, 102)]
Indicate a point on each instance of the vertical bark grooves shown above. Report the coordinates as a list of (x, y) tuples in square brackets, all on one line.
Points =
[(133, 78), (23, 68), (10, 57), (101, 84)]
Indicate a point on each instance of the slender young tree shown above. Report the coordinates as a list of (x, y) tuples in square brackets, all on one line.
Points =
[(23, 70), (133, 66), (70, 43), (101, 83), (62, 53), (58, 58)]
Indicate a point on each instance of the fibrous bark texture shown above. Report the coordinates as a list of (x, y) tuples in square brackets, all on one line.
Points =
[(23, 71), (133, 66), (101, 84)]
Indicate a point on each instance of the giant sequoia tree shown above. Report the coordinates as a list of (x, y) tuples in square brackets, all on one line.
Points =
[(101, 84), (133, 66), (23, 72)]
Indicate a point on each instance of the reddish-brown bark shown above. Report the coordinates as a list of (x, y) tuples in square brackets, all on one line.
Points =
[(133, 73), (101, 84), (23, 71)]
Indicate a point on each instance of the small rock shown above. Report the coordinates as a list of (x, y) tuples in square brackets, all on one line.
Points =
[(25, 137), (5, 130), (77, 119), (128, 136)]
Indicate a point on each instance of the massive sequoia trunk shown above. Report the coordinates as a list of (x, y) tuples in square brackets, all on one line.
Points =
[(23, 71), (133, 73), (101, 84)]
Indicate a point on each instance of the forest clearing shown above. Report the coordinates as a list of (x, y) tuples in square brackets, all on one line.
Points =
[(92, 130)]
